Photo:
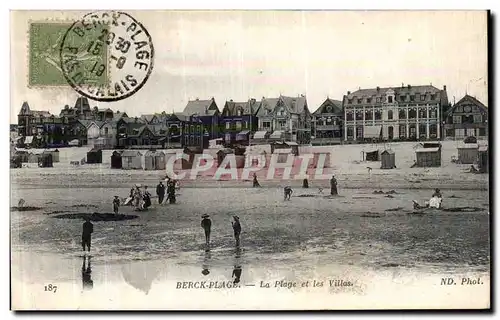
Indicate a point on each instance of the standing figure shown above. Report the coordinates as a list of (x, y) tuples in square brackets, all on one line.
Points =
[(137, 197), (333, 186), (255, 182), (206, 224), (160, 192), (305, 183), (147, 198), (116, 204), (237, 229), (288, 192), (88, 229), (171, 191)]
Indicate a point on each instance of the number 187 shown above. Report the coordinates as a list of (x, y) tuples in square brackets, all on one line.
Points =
[(51, 288)]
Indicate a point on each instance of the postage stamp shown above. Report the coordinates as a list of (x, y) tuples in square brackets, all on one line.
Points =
[(106, 44), (44, 65), (271, 160)]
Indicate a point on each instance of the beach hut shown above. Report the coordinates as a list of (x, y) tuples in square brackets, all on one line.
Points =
[(15, 162), (54, 153), (256, 156), (282, 155), (467, 153), (131, 159), (94, 156), (33, 157), (23, 154), (74, 143), (428, 157), (175, 163), (317, 159), (388, 158), (285, 145), (221, 154), (154, 160), (191, 152), (372, 155), (482, 159), (45, 160), (116, 160)]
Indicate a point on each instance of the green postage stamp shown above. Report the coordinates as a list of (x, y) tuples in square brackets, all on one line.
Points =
[(45, 44)]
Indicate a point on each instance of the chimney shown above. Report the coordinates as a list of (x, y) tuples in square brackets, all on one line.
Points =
[(402, 85), (409, 87), (135, 119), (231, 100), (378, 89), (348, 92), (197, 99), (444, 88)]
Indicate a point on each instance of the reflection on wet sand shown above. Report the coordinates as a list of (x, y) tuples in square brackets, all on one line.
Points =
[(141, 275), (206, 263), (237, 266), (87, 282)]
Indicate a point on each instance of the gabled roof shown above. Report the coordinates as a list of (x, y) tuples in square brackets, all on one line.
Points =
[(292, 104), (201, 107), (104, 110), (85, 123), (148, 117), (82, 103), (467, 100), (335, 104), (99, 124), (133, 120), (231, 108), (118, 116)]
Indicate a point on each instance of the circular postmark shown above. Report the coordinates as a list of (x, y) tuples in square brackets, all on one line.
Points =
[(107, 55)]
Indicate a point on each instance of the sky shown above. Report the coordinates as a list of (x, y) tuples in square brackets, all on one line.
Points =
[(253, 54)]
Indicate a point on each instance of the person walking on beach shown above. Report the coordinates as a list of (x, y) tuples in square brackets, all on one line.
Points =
[(255, 182), (116, 204), (160, 192), (171, 191), (237, 229), (333, 186), (288, 192), (147, 198), (206, 224), (88, 229), (137, 197)]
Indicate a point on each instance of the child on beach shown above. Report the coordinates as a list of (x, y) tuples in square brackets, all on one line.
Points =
[(288, 192), (116, 204)]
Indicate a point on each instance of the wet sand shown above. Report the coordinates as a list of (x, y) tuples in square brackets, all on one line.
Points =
[(361, 237)]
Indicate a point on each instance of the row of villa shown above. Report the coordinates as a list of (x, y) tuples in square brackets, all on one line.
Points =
[(381, 114)]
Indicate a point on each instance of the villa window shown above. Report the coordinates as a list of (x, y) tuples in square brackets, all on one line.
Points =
[(478, 118), (389, 115), (238, 125), (390, 99), (402, 114), (378, 115), (228, 125)]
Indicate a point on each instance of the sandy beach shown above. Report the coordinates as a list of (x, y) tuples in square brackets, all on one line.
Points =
[(369, 243)]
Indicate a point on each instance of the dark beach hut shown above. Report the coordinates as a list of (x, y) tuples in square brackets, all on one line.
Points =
[(22, 154), (372, 155), (116, 160), (467, 153), (428, 157), (191, 152), (388, 158), (94, 156), (482, 159), (221, 155), (15, 162), (45, 160)]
